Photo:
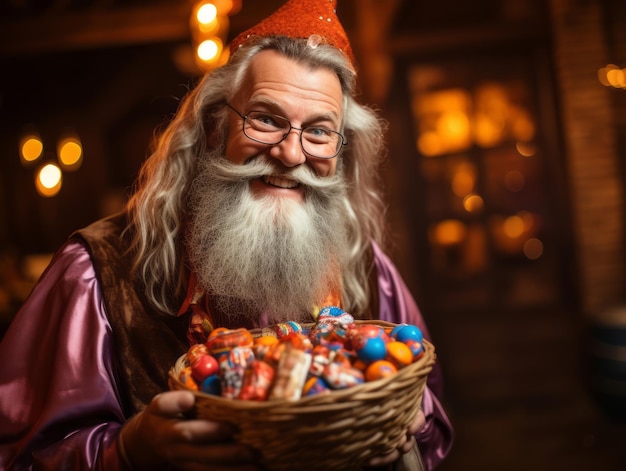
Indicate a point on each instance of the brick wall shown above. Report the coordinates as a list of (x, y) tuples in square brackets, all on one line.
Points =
[(591, 155)]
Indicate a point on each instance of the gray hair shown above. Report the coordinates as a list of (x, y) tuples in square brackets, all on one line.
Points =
[(158, 208)]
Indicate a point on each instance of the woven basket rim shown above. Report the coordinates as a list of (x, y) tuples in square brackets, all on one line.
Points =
[(420, 367)]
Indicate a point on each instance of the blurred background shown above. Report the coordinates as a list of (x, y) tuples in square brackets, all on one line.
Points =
[(505, 182)]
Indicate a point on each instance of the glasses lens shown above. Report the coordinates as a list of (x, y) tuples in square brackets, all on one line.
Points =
[(320, 142), (266, 128), (271, 129)]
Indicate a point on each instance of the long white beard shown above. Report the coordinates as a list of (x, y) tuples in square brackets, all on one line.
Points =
[(265, 255)]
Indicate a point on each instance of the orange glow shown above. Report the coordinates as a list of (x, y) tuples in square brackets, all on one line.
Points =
[(448, 232), (473, 203), (443, 121), (209, 49), (487, 130), (464, 180), (70, 153), (612, 76), (513, 227), (526, 149), (429, 144), (206, 13), (533, 248), (31, 148), (48, 180)]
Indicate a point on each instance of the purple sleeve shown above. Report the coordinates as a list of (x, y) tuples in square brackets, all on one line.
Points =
[(59, 406), (398, 306)]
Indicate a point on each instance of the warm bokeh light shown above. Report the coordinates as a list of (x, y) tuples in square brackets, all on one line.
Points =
[(533, 248), (209, 50), (513, 227), (70, 153), (207, 13), (448, 232), (514, 181), (488, 131), (48, 180), (526, 149), (473, 203), (206, 19), (464, 180), (31, 149), (443, 121), (612, 76)]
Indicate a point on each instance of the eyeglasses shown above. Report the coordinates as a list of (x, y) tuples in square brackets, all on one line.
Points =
[(266, 128)]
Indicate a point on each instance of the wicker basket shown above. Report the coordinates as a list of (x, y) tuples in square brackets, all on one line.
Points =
[(337, 431)]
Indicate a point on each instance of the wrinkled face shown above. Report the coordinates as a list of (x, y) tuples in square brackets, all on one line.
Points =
[(280, 86)]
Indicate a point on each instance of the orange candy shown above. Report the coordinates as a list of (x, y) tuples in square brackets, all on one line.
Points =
[(380, 369), (399, 354)]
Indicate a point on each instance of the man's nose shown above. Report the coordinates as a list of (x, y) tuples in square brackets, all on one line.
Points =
[(289, 150)]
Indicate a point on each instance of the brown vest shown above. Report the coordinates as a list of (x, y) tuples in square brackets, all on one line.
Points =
[(145, 342)]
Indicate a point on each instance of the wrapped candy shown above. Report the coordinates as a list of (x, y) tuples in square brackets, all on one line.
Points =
[(291, 374)]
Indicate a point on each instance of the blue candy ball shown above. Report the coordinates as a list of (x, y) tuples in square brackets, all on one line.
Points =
[(405, 332), (373, 350)]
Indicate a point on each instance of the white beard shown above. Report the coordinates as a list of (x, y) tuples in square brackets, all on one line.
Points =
[(267, 255)]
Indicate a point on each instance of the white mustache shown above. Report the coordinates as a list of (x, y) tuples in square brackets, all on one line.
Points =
[(226, 171)]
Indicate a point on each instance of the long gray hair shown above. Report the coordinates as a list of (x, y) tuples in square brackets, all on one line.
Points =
[(158, 209)]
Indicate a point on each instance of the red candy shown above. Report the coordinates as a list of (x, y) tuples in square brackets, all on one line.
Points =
[(202, 366)]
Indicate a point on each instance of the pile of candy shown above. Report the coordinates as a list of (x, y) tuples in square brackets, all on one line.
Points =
[(288, 361)]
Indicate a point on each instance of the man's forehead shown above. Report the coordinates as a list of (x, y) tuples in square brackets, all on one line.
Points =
[(270, 72)]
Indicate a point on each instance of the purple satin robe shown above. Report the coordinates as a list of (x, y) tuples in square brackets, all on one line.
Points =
[(59, 399)]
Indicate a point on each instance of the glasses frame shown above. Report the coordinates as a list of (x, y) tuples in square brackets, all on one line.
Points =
[(245, 118)]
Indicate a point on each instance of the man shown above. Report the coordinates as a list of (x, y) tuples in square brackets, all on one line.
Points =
[(260, 203)]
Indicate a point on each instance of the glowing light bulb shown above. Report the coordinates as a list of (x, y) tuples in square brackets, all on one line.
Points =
[(208, 50), (206, 14), (70, 153), (31, 149), (48, 180)]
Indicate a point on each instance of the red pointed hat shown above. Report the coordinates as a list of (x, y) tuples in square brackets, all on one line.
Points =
[(306, 19)]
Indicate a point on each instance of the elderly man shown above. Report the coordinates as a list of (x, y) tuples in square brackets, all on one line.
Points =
[(260, 204)]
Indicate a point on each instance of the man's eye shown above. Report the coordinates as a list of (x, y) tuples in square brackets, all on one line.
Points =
[(266, 121), (318, 134)]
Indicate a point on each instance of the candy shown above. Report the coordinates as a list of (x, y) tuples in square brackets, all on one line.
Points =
[(314, 386), (204, 365), (262, 345), (195, 351), (257, 381), (370, 349), (232, 370), (399, 354), (404, 332), (291, 374), (417, 349), (380, 369), (211, 385), (288, 361), (221, 341), (186, 378), (341, 376)]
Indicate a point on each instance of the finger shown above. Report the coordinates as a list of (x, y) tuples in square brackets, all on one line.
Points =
[(204, 431), (407, 445), (418, 422), (172, 403)]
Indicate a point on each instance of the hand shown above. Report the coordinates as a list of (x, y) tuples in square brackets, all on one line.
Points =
[(161, 435), (405, 445)]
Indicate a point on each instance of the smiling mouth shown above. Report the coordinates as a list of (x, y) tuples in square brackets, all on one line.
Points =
[(280, 182)]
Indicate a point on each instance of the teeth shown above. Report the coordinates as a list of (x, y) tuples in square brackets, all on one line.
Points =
[(280, 182)]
